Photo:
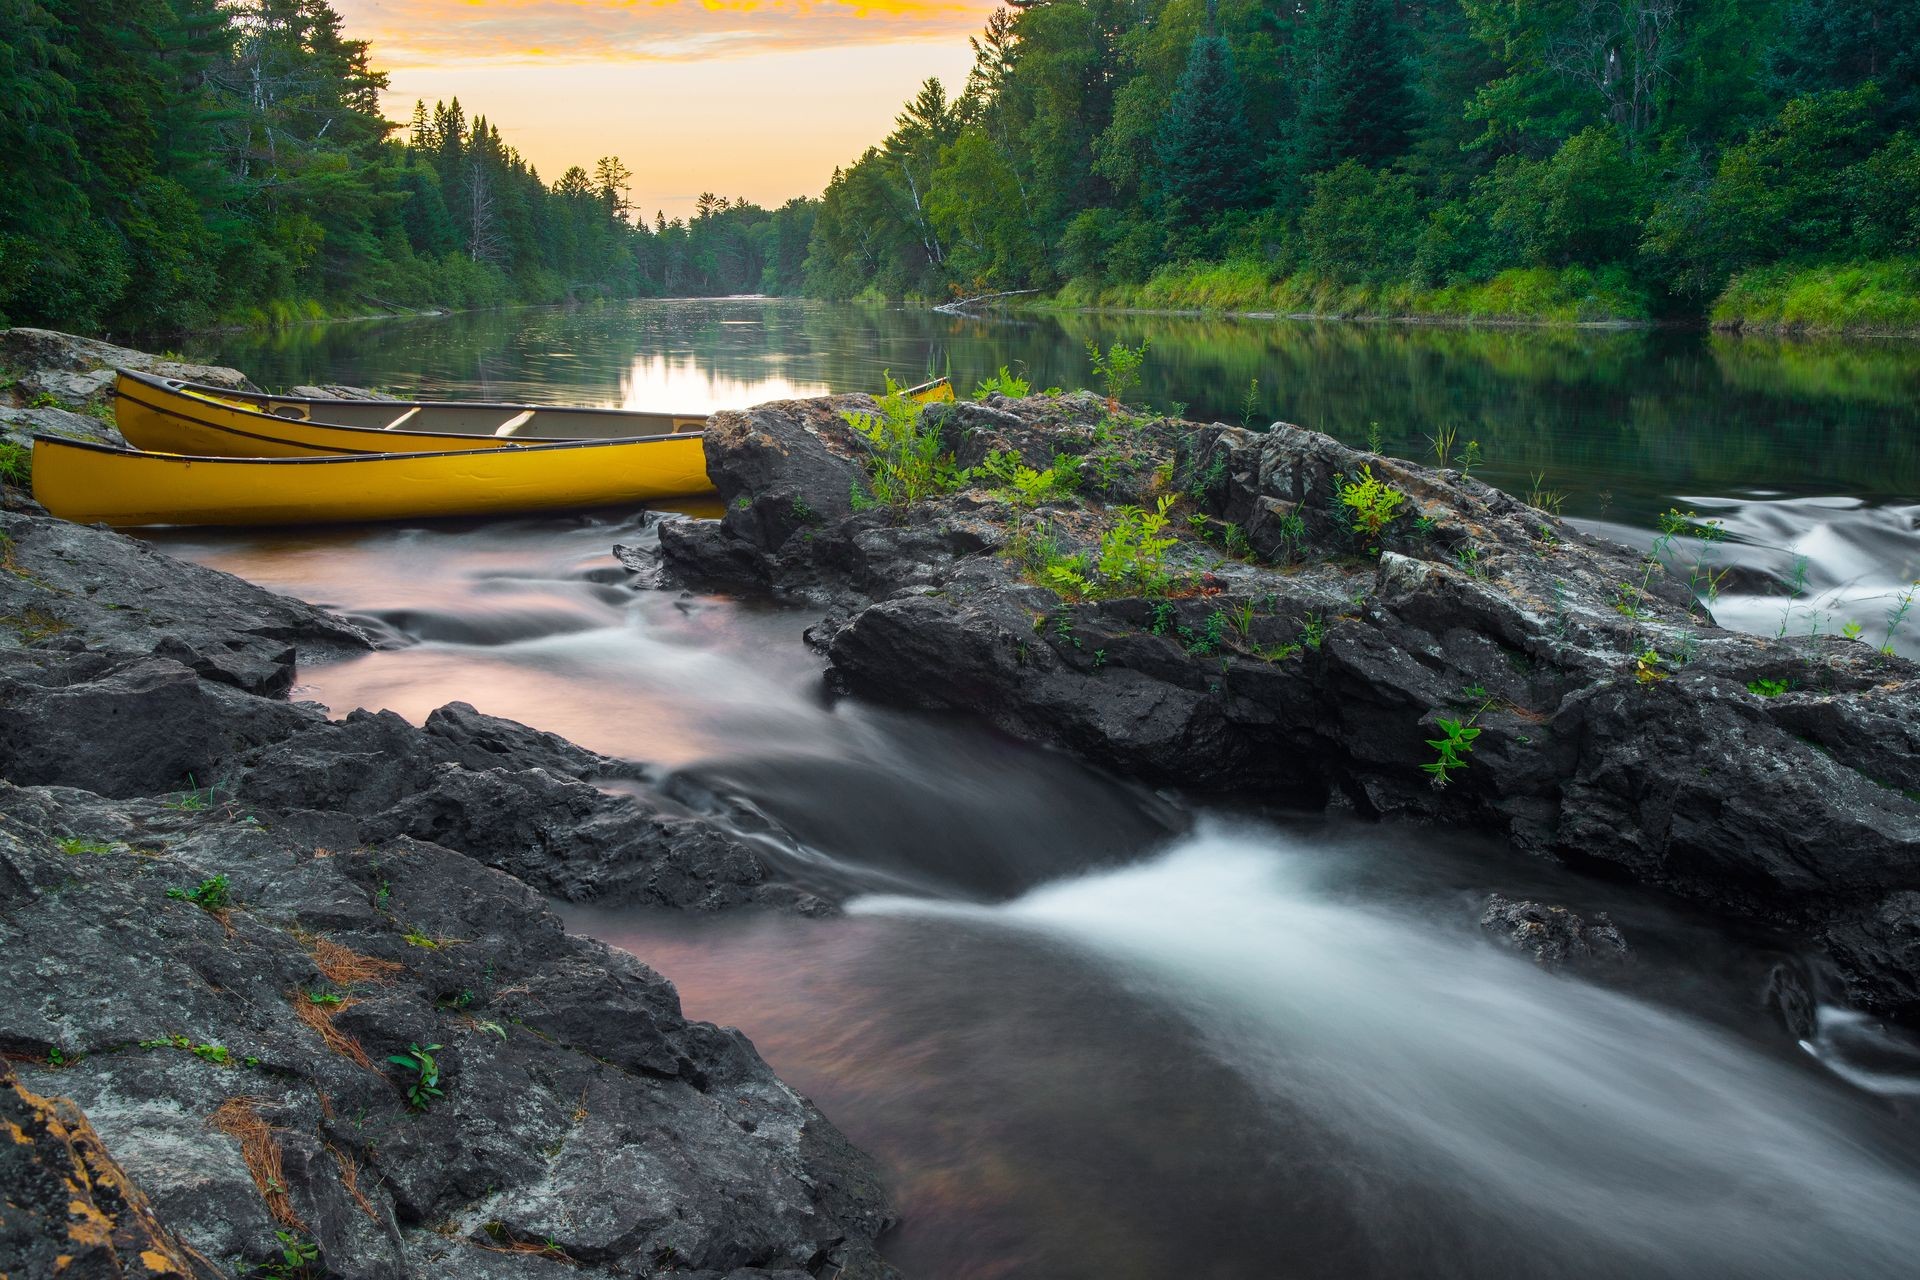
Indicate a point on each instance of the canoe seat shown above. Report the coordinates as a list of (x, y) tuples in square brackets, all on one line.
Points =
[(402, 419), (514, 423)]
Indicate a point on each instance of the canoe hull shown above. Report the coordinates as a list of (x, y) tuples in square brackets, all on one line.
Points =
[(88, 483)]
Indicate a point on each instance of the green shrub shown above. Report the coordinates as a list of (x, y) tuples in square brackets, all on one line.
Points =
[(1003, 382), (16, 464), (905, 463)]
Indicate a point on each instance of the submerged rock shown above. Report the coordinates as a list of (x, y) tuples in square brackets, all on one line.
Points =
[(1302, 658), (1555, 937)]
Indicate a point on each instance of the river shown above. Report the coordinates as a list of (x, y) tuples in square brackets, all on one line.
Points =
[(1092, 1031)]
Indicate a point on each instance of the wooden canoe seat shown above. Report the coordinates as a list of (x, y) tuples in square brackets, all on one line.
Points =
[(514, 423), (402, 419)]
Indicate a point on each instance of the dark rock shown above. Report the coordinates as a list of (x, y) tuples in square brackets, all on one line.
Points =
[(119, 596), (1615, 726), (19, 426), (336, 391), (79, 371), (1555, 937), (70, 1209), (580, 1106)]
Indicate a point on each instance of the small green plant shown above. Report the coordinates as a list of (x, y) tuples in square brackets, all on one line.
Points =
[(73, 846), (1795, 589), (1897, 616), (1468, 558), (1162, 618), (1133, 550), (1545, 499), (1374, 446), (415, 938), (1250, 402), (214, 893), (1649, 666), (1293, 533), (802, 511), (423, 1089), (1442, 441), (1313, 631), (214, 1053), (58, 1057), (1373, 502), (325, 998), (1852, 630), (1469, 459), (193, 799), (1003, 383), (45, 400), (1119, 368), (904, 461), (1767, 688), (1235, 540), (1451, 749), (296, 1261), (16, 464)]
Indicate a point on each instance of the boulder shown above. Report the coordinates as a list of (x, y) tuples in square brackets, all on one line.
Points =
[(1607, 721), (76, 371), (233, 1055), (1553, 936)]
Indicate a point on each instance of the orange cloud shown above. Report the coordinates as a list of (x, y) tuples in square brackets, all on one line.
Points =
[(424, 32)]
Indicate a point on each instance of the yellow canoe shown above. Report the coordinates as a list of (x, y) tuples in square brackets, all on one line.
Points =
[(88, 482), (167, 415)]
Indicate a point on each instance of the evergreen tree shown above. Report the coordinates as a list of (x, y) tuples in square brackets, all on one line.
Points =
[(1357, 103), (1203, 145)]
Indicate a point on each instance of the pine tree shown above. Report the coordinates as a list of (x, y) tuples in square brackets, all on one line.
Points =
[(1205, 161), (1358, 100)]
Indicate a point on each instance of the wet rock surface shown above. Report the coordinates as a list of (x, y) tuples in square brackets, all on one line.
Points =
[(1617, 728), (378, 888), (232, 1055), (1555, 937)]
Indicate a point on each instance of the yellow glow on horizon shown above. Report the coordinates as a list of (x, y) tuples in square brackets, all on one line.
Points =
[(754, 98)]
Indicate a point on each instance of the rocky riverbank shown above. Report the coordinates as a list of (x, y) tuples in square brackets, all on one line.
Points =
[(223, 916), (1328, 627)]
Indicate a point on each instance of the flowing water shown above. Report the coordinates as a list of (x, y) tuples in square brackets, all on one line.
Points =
[(1091, 1031)]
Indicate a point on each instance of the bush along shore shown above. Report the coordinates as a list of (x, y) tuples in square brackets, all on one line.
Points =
[(284, 997), (1274, 613)]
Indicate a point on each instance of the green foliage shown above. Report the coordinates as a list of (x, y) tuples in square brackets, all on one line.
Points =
[(423, 1087), (214, 893), (74, 846), (1118, 368), (1768, 688), (1205, 163), (1133, 550), (905, 463), (1450, 749), (297, 1259), (1373, 502), (1004, 383), (16, 464), (1563, 162)]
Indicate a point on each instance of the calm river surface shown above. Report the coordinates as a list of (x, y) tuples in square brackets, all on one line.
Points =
[(1095, 1032)]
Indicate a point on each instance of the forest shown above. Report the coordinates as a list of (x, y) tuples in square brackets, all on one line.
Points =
[(1752, 161), (175, 164)]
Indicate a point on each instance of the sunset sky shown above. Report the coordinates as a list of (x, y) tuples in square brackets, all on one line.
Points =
[(755, 98)]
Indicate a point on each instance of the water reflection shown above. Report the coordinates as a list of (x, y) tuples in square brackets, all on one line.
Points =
[(1620, 421)]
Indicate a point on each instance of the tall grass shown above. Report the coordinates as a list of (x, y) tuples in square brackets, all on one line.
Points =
[(1569, 295), (1876, 296)]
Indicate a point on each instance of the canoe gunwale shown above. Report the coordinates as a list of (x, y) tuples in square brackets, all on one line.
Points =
[(225, 395)]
